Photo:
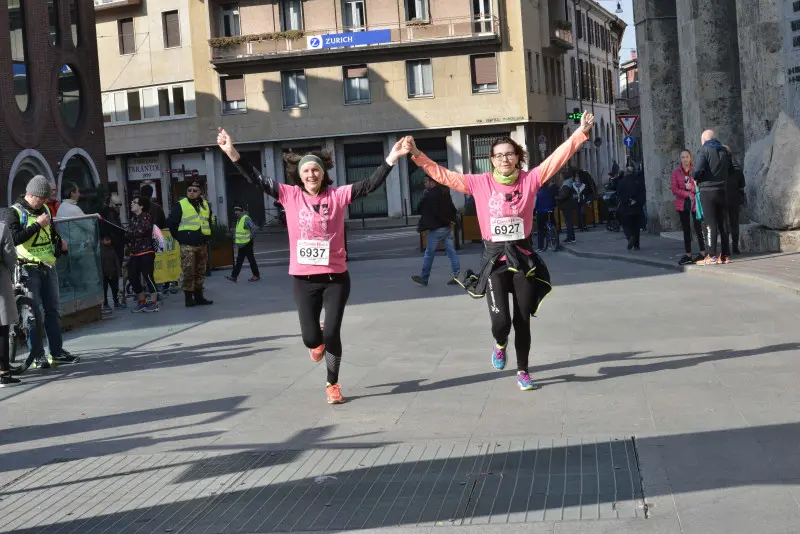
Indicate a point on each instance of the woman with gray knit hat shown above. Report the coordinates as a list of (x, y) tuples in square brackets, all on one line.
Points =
[(315, 211), (38, 243)]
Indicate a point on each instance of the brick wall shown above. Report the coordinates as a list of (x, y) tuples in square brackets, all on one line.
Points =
[(41, 127)]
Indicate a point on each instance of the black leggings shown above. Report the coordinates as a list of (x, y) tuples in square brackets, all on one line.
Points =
[(501, 283), (715, 211), (5, 364), (688, 219), (113, 284), (312, 294), (142, 267)]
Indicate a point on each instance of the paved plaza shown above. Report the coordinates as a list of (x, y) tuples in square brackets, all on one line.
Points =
[(668, 403)]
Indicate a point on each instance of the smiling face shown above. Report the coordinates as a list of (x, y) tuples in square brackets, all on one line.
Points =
[(312, 176), (505, 158)]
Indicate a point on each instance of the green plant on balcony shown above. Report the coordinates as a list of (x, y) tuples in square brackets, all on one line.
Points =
[(564, 25), (222, 42)]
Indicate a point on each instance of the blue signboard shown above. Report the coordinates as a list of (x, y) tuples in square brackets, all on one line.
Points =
[(339, 40), (628, 142)]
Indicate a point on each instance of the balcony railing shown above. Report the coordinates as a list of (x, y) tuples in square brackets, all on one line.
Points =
[(100, 5), (443, 31), (562, 38)]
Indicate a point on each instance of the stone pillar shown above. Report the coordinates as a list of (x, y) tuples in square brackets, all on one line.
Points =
[(710, 86), (122, 187), (765, 58), (455, 162), (660, 96), (166, 180)]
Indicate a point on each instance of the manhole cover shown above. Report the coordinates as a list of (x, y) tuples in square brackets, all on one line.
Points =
[(431, 484)]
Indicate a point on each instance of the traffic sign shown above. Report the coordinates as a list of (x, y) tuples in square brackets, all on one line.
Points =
[(542, 139), (628, 142), (628, 122)]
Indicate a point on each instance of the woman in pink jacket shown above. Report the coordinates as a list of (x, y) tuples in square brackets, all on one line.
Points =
[(685, 189), (504, 201)]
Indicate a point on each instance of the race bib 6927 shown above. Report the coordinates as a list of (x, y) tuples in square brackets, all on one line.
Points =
[(507, 229)]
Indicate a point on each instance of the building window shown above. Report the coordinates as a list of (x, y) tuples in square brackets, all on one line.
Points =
[(356, 84), (74, 16), (419, 75), (108, 108), (796, 6), (134, 106), (417, 10), (291, 15), (120, 107), (295, 90), (538, 74), (610, 87), (229, 19), (163, 103), (69, 95), (605, 86), (19, 46), (232, 93), (529, 68), (578, 25), (573, 69), (354, 14), (127, 40), (484, 73), (52, 15), (172, 29), (178, 102), (546, 75), (560, 78)]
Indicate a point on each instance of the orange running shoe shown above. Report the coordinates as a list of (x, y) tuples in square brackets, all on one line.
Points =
[(317, 354), (334, 394)]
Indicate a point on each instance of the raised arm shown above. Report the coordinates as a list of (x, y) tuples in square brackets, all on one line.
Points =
[(563, 153), (365, 187), (451, 179), (250, 173)]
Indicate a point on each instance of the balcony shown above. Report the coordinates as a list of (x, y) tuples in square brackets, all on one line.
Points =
[(102, 5), (248, 49), (561, 36)]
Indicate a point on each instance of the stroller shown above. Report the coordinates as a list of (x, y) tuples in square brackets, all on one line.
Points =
[(612, 204)]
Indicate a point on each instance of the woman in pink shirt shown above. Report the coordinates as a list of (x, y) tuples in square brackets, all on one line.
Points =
[(315, 211), (685, 188), (504, 201)]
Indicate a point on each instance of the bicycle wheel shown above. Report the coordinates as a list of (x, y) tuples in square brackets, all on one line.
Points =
[(30, 318), (552, 237)]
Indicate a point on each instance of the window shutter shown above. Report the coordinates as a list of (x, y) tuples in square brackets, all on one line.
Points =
[(356, 72), (234, 89), (172, 29), (485, 70)]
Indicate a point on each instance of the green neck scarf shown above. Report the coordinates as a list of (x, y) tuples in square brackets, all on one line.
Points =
[(506, 180)]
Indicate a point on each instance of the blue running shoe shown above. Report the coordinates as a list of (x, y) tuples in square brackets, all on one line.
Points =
[(525, 381), (139, 308), (499, 357)]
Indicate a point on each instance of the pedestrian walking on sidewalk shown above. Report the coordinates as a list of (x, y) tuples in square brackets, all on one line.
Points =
[(190, 225), (504, 200), (631, 201), (567, 202), (245, 237), (437, 218), (685, 190), (8, 306), (315, 211), (712, 170), (736, 198)]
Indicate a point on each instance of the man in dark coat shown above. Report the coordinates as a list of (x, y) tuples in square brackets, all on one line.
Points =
[(631, 192), (437, 215)]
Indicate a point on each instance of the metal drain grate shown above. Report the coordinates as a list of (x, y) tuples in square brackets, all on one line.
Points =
[(431, 484)]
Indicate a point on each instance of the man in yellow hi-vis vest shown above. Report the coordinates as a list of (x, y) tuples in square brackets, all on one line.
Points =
[(190, 224), (244, 236), (38, 244)]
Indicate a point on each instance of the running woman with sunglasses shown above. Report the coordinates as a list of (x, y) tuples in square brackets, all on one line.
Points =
[(315, 211), (504, 201)]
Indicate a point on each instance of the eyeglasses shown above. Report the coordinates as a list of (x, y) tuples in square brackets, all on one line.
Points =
[(508, 156)]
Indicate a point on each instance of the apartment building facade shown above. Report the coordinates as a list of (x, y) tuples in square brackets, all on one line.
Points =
[(346, 76), (592, 71), (50, 122)]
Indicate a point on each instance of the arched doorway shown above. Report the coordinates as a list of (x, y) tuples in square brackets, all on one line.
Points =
[(28, 164), (77, 167)]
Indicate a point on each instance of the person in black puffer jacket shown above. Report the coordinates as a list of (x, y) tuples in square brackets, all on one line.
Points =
[(437, 216)]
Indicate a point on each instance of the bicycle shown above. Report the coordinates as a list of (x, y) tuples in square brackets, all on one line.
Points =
[(551, 232), (30, 319)]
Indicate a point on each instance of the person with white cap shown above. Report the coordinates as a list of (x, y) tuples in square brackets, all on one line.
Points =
[(244, 237), (38, 244)]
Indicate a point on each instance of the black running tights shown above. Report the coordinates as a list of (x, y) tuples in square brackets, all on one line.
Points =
[(501, 283), (5, 364), (312, 294)]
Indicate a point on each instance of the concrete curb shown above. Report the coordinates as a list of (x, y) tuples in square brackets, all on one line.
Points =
[(712, 271)]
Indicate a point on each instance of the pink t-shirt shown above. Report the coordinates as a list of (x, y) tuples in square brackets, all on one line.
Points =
[(495, 200), (318, 218)]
